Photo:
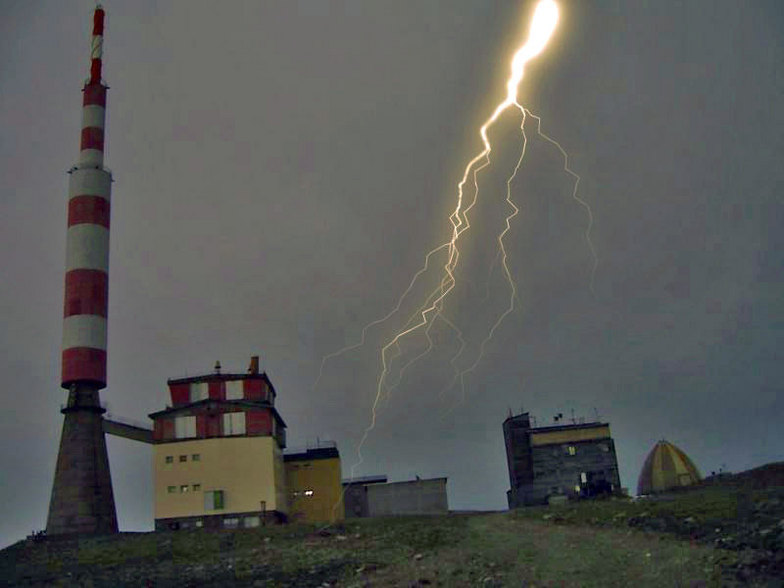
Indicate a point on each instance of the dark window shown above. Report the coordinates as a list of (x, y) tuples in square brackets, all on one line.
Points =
[(183, 458)]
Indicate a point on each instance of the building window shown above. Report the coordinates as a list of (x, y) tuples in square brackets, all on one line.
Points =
[(199, 391), (571, 450), (171, 489), (169, 459), (583, 478), (250, 522), (196, 457), (183, 458), (199, 523), (234, 390), (184, 488), (214, 500), (308, 493), (185, 427), (231, 523), (234, 423), (604, 447), (197, 487)]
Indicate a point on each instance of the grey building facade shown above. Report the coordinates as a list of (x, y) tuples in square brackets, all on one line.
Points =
[(576, 460), (355, 495), (375, 497)]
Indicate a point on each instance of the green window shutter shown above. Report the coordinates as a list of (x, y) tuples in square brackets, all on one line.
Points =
[(218, 499)]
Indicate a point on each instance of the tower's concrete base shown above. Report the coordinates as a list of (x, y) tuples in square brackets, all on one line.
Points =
[(82, 498)]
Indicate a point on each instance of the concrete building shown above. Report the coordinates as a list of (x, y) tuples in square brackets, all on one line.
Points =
[(373, 496), (562, 461), (313, 484), (355, 495), (218, 452), (82, 500)]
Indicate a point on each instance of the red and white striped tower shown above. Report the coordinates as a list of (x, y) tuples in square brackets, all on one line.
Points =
[(82, 498)]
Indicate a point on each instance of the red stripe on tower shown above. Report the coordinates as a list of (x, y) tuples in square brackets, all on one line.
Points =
[(92, 138), (94, 95), (84, 364), (88, 210), (86, 292)]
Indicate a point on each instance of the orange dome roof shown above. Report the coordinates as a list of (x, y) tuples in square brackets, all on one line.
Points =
[(666, 467)]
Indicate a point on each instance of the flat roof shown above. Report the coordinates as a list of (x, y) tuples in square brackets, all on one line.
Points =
[(383, 480), (308, 454), (570, 427), (547, 428), (364, 480)]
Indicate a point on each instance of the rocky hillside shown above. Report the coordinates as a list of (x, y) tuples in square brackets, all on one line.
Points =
[(726, 532)]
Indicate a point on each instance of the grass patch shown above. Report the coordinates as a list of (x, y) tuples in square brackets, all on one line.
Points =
[(501, 549)]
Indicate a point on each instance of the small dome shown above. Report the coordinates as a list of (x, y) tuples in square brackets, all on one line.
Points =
[(666, 467)]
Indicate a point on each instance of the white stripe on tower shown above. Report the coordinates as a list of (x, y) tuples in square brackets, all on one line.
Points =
[(87, 245)]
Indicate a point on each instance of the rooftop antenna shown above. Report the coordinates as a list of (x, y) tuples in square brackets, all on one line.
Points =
[(574, 421), (596, 412)]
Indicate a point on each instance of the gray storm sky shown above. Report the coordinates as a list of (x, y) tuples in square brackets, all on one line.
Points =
[(281, 169)]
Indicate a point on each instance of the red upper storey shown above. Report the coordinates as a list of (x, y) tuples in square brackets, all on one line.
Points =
[(210, 419), (218, 405), (222, 387), (252, 386)]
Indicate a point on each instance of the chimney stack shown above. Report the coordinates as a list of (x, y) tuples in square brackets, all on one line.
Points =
[(82, 499), (253, 368)]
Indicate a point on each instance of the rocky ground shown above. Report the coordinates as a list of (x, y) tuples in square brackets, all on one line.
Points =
[(742, 513)]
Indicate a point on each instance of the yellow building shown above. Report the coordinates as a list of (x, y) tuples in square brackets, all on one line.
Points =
[(218, 453), (313, 482)]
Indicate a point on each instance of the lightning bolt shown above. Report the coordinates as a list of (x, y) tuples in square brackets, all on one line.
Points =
[(502, 251), (575, 197), (543, 24)]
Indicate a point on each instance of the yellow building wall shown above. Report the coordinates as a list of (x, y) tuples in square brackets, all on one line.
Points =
[(570, 435), (281, 489), (322, 477), (249, 470)]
